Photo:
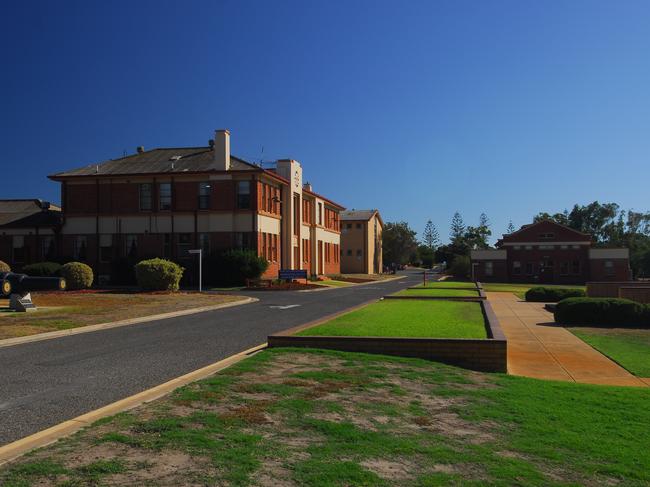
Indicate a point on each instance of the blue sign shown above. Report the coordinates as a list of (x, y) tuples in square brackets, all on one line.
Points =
[(292, 274)]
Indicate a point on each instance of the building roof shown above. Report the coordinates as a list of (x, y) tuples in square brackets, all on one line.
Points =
[(28, 213), (171, 160), (528, 233), (364, 215)]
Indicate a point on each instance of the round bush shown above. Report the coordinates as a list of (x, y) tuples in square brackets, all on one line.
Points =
[(77, 275), (43, 269), (158, 275), (4, 267), (602, 311), (542, 294)]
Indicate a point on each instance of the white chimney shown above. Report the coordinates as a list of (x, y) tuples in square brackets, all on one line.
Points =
[(221, 150)]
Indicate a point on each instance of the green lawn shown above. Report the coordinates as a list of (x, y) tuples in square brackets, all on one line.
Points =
[(334, 283), (520, 289), (393, 318), (449, 284), (629, 348), (333, 419), (439, 292)]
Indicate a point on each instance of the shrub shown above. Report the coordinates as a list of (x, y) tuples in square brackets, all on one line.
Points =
[(43, 269), (542, 294), (4, 267), (602, 311), (460, 267), (158, 275), (233, 267), (77, 275)]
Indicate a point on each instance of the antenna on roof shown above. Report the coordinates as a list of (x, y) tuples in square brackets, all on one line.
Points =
[(96, 168), (261, 156)]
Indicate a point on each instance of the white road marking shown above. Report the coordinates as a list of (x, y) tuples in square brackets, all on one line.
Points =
[(288, 306)]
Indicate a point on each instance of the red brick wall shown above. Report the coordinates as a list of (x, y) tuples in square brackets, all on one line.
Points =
[(185, 196), (532, 234), (597, 270), (499, 271), (223, 195), (81, 198), (558, 256)]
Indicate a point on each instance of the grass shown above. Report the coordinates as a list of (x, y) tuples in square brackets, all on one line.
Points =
[(392, 318), (334, 283), (446, 284), (341, 419), (62, 311), (438, 292), (628, 347)]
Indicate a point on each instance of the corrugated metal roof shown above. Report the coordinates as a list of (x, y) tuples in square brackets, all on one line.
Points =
[(163, 160), (357, 214), (26, 213)]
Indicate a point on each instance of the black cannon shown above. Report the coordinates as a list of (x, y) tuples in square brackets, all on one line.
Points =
[(17, 287)]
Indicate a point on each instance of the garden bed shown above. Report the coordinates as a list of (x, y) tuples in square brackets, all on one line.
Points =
[(459, 333)]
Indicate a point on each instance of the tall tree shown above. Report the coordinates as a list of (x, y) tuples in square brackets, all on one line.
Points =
[(457, 228), (511, 227), (398, 243), (430, 237)]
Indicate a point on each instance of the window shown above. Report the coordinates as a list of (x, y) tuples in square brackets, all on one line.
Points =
[(305, 250), (359, 254), (358, 226), (564, 268), (530, 268), (296, 213), (320, 214), (564, 247), (242, 240), (349, 225), (517, 247), (529, 247), (79, 248), (575, 247), (165, 196), (546, 247), (575, 267), (489, 268), (516, 268), (349, 253), (204, 196), (145, 196), (609, 268), (243, 195), (105, 248), (546, 236), (47, 248), (131, 246), (204, 242), (18, 244), (184, 244)]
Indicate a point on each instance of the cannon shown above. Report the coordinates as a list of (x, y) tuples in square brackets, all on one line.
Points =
[(17, 288)]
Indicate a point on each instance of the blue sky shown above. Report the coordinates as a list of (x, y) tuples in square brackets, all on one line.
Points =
[(417, 108)]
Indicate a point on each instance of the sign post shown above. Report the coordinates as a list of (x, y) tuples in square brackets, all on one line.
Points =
[(200, 252)]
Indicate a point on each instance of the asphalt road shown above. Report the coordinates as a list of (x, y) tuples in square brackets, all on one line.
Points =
[(45, 383)]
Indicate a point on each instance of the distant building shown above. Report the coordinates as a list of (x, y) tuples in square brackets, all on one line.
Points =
[(549, 253), (166, 201), (361, 249), (28, 231)]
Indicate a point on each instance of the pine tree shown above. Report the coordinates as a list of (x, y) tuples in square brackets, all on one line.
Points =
[(511, 227), (457, 228), (430, 236)]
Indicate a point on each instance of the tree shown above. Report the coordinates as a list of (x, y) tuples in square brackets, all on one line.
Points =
[(511, 227), (398, 243), (426, 256), (430, 236), (457, 227)]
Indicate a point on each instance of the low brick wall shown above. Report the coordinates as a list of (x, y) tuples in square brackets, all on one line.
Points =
[(611, 289), (638, 294), (488, 355)]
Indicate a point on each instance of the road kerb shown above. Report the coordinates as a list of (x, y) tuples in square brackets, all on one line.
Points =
[(10, 342), (45, 437)]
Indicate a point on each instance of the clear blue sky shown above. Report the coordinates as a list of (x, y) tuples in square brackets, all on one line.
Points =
[(417, 108)]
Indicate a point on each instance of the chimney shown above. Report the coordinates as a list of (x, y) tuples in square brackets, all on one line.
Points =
[(221, 149), (140, 149), (307, 186)]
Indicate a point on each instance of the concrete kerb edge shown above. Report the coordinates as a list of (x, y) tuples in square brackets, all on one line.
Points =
[(16, 449), (329, 288), (9, 342)]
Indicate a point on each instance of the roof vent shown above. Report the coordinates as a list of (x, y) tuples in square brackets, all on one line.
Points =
[(174, 158), (140, 149), (211, 143)]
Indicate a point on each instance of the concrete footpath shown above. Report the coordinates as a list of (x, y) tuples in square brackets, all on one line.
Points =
[(539, 348)]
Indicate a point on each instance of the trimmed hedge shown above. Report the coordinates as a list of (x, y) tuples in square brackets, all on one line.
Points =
[(43, 269), (77, 275), (602, 311), (4, 267), (542, 294), (158, 275)]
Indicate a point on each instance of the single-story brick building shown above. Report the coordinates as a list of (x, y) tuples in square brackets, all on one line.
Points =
[(549, 253)]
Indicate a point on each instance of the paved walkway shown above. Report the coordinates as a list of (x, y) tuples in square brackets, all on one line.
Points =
[(538, 348)]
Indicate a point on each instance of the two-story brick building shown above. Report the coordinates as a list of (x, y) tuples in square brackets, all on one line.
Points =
[(166, 201), (549, 253)]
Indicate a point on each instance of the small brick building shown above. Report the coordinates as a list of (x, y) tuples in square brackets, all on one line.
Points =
[(549, 253), (166, 201), (361, 250)]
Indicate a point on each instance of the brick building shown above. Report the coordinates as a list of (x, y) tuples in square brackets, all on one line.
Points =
[(163, 202), (361, 249), (28, 231), (549, 253)]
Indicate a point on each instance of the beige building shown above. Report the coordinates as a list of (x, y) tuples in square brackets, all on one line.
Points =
[(361, 250)]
